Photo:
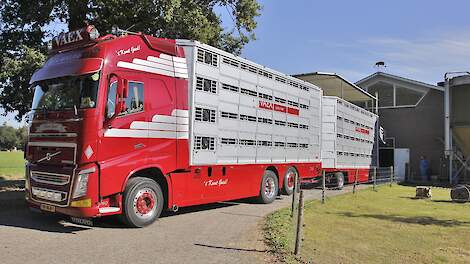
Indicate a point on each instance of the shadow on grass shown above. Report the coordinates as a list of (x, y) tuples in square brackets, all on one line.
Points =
[(431, 200), (420, 220), (430, 184), (414, 198), (444, 201)]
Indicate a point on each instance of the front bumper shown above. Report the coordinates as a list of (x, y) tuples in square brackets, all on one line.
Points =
[(66, 207), (84, 212)]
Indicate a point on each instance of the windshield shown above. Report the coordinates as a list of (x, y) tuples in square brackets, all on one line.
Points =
[(67, 92)]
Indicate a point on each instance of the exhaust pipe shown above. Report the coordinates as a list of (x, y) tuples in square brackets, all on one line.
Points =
[(174, 208)]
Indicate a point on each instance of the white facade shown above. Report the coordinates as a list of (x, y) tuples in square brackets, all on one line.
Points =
[(239, 111), (347, 134)]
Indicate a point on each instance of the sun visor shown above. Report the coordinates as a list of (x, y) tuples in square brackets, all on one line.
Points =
[(54, 69)]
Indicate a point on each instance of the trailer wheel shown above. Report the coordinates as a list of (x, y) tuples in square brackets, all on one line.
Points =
[(339, 176), (143, 202), (289, 181), (269, 187)]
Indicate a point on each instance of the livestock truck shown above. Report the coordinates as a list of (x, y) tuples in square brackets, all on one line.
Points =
[(131, 125)]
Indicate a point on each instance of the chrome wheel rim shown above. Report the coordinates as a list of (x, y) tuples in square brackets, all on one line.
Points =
[(340, 181), (269, 188), (290, 180)]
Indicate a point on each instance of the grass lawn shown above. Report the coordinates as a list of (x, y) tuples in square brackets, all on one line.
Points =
[(386, 226), (11, 165)]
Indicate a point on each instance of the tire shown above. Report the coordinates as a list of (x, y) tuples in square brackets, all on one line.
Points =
[(142, 202), (339, 177), (289, 181), (269, 188)]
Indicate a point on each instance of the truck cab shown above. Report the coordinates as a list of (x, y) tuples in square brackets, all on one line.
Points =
[(88, 125)]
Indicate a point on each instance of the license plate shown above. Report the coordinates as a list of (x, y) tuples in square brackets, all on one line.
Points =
[(48, 208)]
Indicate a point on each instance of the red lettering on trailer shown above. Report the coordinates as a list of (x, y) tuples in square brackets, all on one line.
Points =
[(266, 105), (278, 108), (292, 111), (362, 130)]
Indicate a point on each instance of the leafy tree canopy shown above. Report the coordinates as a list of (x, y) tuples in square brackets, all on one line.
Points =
[(24, 28), (11, 137)]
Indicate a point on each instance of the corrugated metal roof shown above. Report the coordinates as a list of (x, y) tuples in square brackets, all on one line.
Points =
[(398, 78), (334, 84)]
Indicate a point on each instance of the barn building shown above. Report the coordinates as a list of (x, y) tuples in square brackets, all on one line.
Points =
[(412, 114)]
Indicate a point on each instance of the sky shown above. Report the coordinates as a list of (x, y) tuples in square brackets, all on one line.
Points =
[(417, 39)]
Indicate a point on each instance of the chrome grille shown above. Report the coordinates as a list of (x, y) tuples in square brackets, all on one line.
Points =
[(50, 178)]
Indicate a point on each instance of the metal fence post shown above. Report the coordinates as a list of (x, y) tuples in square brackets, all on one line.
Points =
[(298, 234), (391, 175), (323, 187), (294, 196), (374, 178)]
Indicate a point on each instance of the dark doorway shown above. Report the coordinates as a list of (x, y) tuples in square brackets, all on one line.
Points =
[(386, 157)]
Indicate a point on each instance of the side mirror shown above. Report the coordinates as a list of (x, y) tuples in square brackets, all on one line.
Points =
[(125, 88), (122, 93), (117, 92)]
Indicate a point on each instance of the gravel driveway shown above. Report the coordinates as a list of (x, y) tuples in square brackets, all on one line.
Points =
[(216, 233)]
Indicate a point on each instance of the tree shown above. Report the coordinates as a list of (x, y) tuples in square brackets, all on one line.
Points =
[(8, 138), (21, 137), (23, 30), (15, 72)]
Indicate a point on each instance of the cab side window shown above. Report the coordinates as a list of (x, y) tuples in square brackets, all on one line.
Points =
[(111, 100), (134, 102)]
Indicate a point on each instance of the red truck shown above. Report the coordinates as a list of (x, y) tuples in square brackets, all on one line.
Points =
[(132, 124)]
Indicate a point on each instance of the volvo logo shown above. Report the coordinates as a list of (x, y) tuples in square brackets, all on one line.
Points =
[(49, 156)]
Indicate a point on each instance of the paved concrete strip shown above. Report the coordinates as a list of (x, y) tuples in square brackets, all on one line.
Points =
[(216, 233)]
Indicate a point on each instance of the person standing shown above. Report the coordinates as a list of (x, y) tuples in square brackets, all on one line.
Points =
[(424, 168)]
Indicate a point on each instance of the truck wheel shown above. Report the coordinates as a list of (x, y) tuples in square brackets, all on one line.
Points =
[(143, 202), (339, 176), (289, 181), (269, 187)]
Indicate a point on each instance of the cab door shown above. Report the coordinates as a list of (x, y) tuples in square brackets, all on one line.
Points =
[(124, 134)]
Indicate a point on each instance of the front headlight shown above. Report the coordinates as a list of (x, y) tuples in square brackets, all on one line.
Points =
[(81, 184)]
